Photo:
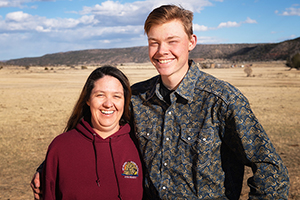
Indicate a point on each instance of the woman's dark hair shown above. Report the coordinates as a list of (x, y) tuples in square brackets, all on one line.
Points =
[(81, 109)]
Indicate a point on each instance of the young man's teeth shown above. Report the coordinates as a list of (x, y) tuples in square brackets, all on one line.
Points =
[(164, 61), (107, 112)]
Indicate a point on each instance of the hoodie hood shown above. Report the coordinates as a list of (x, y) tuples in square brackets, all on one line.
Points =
[(86, 130)]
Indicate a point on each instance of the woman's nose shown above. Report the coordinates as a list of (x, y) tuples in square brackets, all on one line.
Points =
[(108, 103)]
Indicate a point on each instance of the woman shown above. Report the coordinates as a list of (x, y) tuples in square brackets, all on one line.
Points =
[(95, 158)]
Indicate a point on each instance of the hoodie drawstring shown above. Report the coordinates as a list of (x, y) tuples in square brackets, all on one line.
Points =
[(113, 160), (96, 160)]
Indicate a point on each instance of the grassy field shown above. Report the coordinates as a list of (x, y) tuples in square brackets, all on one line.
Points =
[(35, 104)]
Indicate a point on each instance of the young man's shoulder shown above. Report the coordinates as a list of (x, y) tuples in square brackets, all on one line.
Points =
[(144, 86), (216, 86)]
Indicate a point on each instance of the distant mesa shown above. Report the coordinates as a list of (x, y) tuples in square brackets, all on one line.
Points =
[(117, 56)]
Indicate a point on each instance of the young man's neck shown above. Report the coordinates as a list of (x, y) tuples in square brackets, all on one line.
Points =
[(172, 82)]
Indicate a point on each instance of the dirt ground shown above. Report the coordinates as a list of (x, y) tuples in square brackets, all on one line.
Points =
[(35, 104)]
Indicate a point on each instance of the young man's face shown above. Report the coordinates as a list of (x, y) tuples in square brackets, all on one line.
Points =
[(169, 47)]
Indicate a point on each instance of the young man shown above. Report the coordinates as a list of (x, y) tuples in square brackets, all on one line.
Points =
[(197, 133)]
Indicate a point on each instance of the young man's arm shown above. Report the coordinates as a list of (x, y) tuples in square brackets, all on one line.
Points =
[(36, 183), (270, 178)]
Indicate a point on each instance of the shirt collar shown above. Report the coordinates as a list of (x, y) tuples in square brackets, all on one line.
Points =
[(186, 87)]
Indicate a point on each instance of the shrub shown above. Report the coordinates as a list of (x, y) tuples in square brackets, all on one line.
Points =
[(294, 61), (205, 66), (248, 71)]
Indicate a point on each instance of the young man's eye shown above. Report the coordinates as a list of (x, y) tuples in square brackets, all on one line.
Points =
[(153, 43)]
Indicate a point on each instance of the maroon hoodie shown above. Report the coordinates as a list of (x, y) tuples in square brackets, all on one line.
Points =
[(81, 165)]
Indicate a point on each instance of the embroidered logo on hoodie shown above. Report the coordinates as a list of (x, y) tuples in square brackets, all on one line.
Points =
[(130, 170)]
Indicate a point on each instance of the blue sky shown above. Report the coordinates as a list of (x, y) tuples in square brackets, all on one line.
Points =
[(30, 28)]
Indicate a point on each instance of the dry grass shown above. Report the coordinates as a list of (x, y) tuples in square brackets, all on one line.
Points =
[(35, 104)]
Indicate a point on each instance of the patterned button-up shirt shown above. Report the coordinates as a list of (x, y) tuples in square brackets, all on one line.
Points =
[(197, 147)]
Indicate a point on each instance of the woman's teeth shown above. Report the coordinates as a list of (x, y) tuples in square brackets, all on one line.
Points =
[(107, 112)]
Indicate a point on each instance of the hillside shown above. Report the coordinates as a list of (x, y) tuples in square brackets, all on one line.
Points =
[(248, 52), (233, 52)]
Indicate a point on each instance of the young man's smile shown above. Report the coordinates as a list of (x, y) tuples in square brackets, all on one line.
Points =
[(165, 61)]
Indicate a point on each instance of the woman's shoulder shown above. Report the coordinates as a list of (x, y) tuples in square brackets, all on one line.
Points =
[(64, 138)]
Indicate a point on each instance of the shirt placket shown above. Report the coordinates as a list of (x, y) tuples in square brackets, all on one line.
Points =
[(167, 156)]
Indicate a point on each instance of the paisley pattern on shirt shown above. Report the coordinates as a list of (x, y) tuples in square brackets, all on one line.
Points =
[(197, 147)]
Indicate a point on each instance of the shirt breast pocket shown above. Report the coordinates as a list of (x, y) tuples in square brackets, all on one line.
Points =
[(197, 146), (147, 143)]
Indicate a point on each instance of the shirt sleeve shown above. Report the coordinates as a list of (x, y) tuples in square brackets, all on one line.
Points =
[(249, 141)]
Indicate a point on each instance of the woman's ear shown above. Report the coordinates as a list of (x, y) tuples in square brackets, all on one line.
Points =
[(88, 102)]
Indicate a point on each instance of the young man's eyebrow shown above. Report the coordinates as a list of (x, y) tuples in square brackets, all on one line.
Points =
[(168, 38)]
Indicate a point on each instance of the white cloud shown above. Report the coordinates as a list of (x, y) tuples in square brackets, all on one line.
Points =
[(109, 24), (198, 27), (250, 21), (41, 29), (111, 8), (18, 16), (228, 24), (115, 8), (4, 3), (17, 3), (17, 21), (107, 14), (292, 11)]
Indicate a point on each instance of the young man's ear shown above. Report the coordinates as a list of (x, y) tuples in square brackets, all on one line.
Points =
[(193, 42)]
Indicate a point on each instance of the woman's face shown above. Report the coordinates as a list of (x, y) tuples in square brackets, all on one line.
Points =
[(107, 105)]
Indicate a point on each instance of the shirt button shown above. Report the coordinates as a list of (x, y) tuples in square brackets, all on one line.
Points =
[(169, 112), (148, 134), (165, 164), (164, 187), (204, 139), (189, 138), (167, 139)]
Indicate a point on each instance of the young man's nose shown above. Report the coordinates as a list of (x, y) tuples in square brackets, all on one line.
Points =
[(163, 49)]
